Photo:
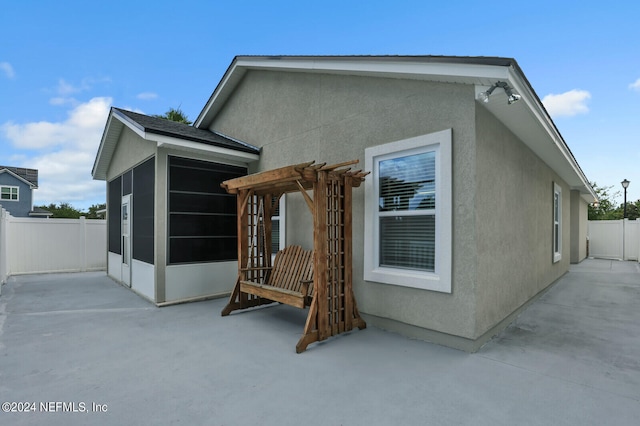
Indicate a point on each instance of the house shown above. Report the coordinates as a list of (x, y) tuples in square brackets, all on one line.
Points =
[(16, 192), (474, 206)]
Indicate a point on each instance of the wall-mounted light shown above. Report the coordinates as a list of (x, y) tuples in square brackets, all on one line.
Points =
[(512, 97)]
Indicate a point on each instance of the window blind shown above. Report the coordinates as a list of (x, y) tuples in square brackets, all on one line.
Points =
[(407, 221)]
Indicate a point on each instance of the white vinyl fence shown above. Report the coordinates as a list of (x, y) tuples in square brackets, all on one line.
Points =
[(33, 245), (614, 239)]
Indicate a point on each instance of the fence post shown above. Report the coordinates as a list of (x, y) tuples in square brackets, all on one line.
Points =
[(638, 242), (83, 245), (3, 248), (624, 236)]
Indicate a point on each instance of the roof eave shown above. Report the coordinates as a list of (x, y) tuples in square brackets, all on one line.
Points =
[(557, 154), (108, 143), (31, 184), (413, 67), (481, 72), (116, 123), (196, 147)]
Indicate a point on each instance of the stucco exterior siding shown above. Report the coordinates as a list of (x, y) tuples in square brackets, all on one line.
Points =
[(514, 216), (303, 117), (131, 150), (579, 222)]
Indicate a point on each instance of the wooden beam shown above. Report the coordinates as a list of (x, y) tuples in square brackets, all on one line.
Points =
[(306, 196), (242, 233), (232, 304), (268, 177), (268, 201), (310, 333), (282, 187), (335, 166)]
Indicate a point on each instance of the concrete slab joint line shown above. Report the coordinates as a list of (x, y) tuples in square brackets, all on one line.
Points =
[(569, 358)]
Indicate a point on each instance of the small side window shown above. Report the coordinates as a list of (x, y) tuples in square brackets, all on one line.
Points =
[(557, 223)]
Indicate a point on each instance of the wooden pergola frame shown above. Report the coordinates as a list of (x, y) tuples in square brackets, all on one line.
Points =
[(332, 309)]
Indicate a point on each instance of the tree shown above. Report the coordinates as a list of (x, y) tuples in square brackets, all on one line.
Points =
[(175, 114), (96, 211), (607, 209), (63, 211), (67, 211), (633, 210)]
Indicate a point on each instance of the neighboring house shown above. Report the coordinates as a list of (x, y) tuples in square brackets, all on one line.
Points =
[(16, 192), (471, 210)]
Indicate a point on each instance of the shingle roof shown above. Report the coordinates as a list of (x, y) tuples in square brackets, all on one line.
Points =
[(30, 175), (39, 211), (161, 126)]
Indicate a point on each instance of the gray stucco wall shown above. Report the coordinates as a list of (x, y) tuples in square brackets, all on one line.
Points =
[(514, 216), (502, 192), (303, 117), (579, 222), (22, 207), (131, 150)]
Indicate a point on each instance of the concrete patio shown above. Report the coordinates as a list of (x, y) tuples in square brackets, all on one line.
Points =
[(82, 342)]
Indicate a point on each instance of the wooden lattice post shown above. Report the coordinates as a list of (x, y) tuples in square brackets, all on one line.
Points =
[(348, 253), (320, 251)]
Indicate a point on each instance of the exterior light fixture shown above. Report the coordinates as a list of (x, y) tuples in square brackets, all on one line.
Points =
[(512, 96), (625, 185)]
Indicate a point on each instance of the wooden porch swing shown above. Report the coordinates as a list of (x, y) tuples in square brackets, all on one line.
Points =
[(320, 279)]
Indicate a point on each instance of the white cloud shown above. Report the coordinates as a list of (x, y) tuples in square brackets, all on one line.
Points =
[(59, 100), (65, 176), (66, 152), (567, 104), (84, 123), (65, 88), (147, 96), (7, 69), (635, 85)]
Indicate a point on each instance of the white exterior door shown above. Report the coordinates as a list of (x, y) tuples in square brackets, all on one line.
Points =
[(126, 240)]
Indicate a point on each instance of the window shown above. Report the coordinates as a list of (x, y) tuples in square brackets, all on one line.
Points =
[(278, 227), (114, 201), (202, 216), (143, 217), (408, 212), (557, 223), (9, 193)]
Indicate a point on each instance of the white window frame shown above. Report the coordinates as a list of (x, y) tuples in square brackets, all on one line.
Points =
[(282, 225), (440, 279), (557, 223), (10, 187)]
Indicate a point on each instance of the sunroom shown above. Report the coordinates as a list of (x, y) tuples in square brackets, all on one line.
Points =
[(171, 227)]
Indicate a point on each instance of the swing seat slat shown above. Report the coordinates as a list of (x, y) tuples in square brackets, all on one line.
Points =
[(289, 281)]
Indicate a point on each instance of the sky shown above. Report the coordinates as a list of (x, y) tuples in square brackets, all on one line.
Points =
[(64, 64)]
